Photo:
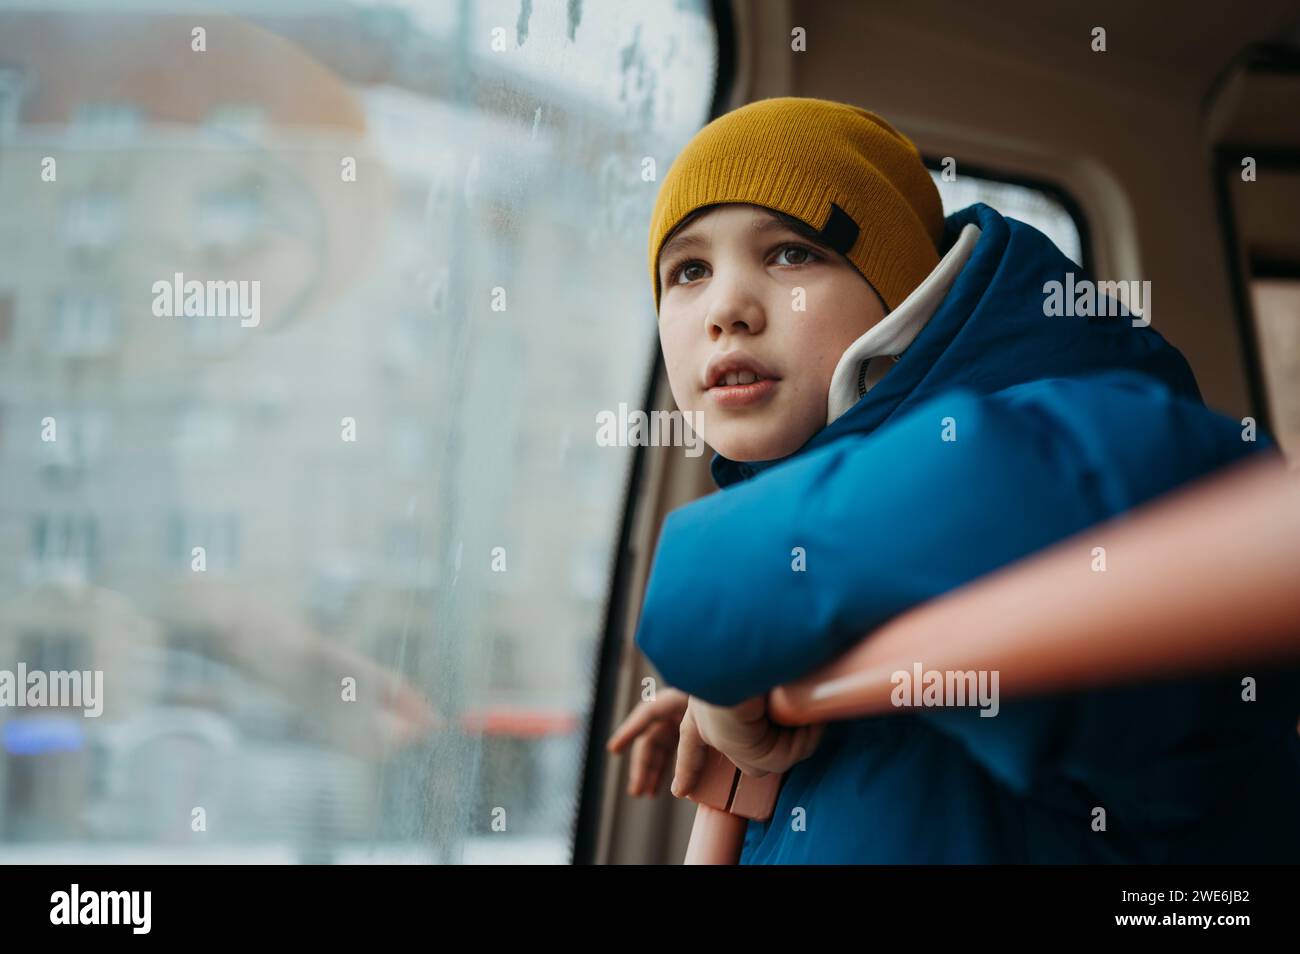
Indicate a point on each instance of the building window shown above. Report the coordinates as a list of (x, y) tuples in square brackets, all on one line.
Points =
[(84, 324), (209, 336), (105, 123), (65, 546), (79, 441), (242, 120), (53, 651), (93, 221)]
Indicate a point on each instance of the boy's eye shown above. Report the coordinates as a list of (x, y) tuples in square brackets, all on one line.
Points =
[(802, 255), (790, 254), (687, 272)]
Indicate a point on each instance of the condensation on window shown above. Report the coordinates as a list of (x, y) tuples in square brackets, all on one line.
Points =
[(323, 300)]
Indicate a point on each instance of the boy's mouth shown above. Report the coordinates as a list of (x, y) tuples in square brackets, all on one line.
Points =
[(741, 394), (736, 369), (736, 379)]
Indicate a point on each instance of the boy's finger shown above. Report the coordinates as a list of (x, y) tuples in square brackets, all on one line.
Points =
[(800, 744), (654, 779), (636, 772), (643, 715), (631, 727), (652, 764), (805, 741), (792, 746), (692, 754)]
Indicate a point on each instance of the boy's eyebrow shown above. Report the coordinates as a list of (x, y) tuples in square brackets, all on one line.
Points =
[(689, 240), (682, 242)]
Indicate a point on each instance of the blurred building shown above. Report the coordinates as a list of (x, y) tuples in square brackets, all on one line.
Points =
[(474, 428)]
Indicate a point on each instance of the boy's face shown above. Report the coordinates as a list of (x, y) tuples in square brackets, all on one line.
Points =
[(729, 281)]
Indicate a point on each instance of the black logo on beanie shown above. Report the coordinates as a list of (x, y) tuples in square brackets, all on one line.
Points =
[(839, 232)]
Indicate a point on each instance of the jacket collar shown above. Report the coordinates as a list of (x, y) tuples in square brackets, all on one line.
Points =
[(891, 336)]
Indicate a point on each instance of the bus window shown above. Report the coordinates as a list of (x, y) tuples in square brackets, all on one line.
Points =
[(1276, 305), (306, 318), (1045, 210)]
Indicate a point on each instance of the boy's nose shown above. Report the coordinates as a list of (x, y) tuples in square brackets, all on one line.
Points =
[(734, 313)]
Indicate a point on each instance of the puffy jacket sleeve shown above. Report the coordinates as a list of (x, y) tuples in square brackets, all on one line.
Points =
[(768, 579), (761, 583)]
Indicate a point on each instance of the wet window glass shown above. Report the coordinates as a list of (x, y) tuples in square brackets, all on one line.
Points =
[(307, 312)]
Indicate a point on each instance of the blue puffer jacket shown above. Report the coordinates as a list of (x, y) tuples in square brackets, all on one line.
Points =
[(1061, 422)]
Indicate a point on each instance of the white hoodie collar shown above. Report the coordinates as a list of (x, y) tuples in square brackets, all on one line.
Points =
[(897, 330)]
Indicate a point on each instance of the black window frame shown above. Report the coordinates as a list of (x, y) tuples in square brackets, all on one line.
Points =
[(600, 718)]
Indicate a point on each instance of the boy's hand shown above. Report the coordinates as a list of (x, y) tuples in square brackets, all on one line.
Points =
[(744, 734), (654, 726)]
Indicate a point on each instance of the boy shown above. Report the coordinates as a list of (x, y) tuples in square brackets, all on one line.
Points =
[(896, 412)]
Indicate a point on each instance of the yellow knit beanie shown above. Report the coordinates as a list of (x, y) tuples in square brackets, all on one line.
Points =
[(840, 169)]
